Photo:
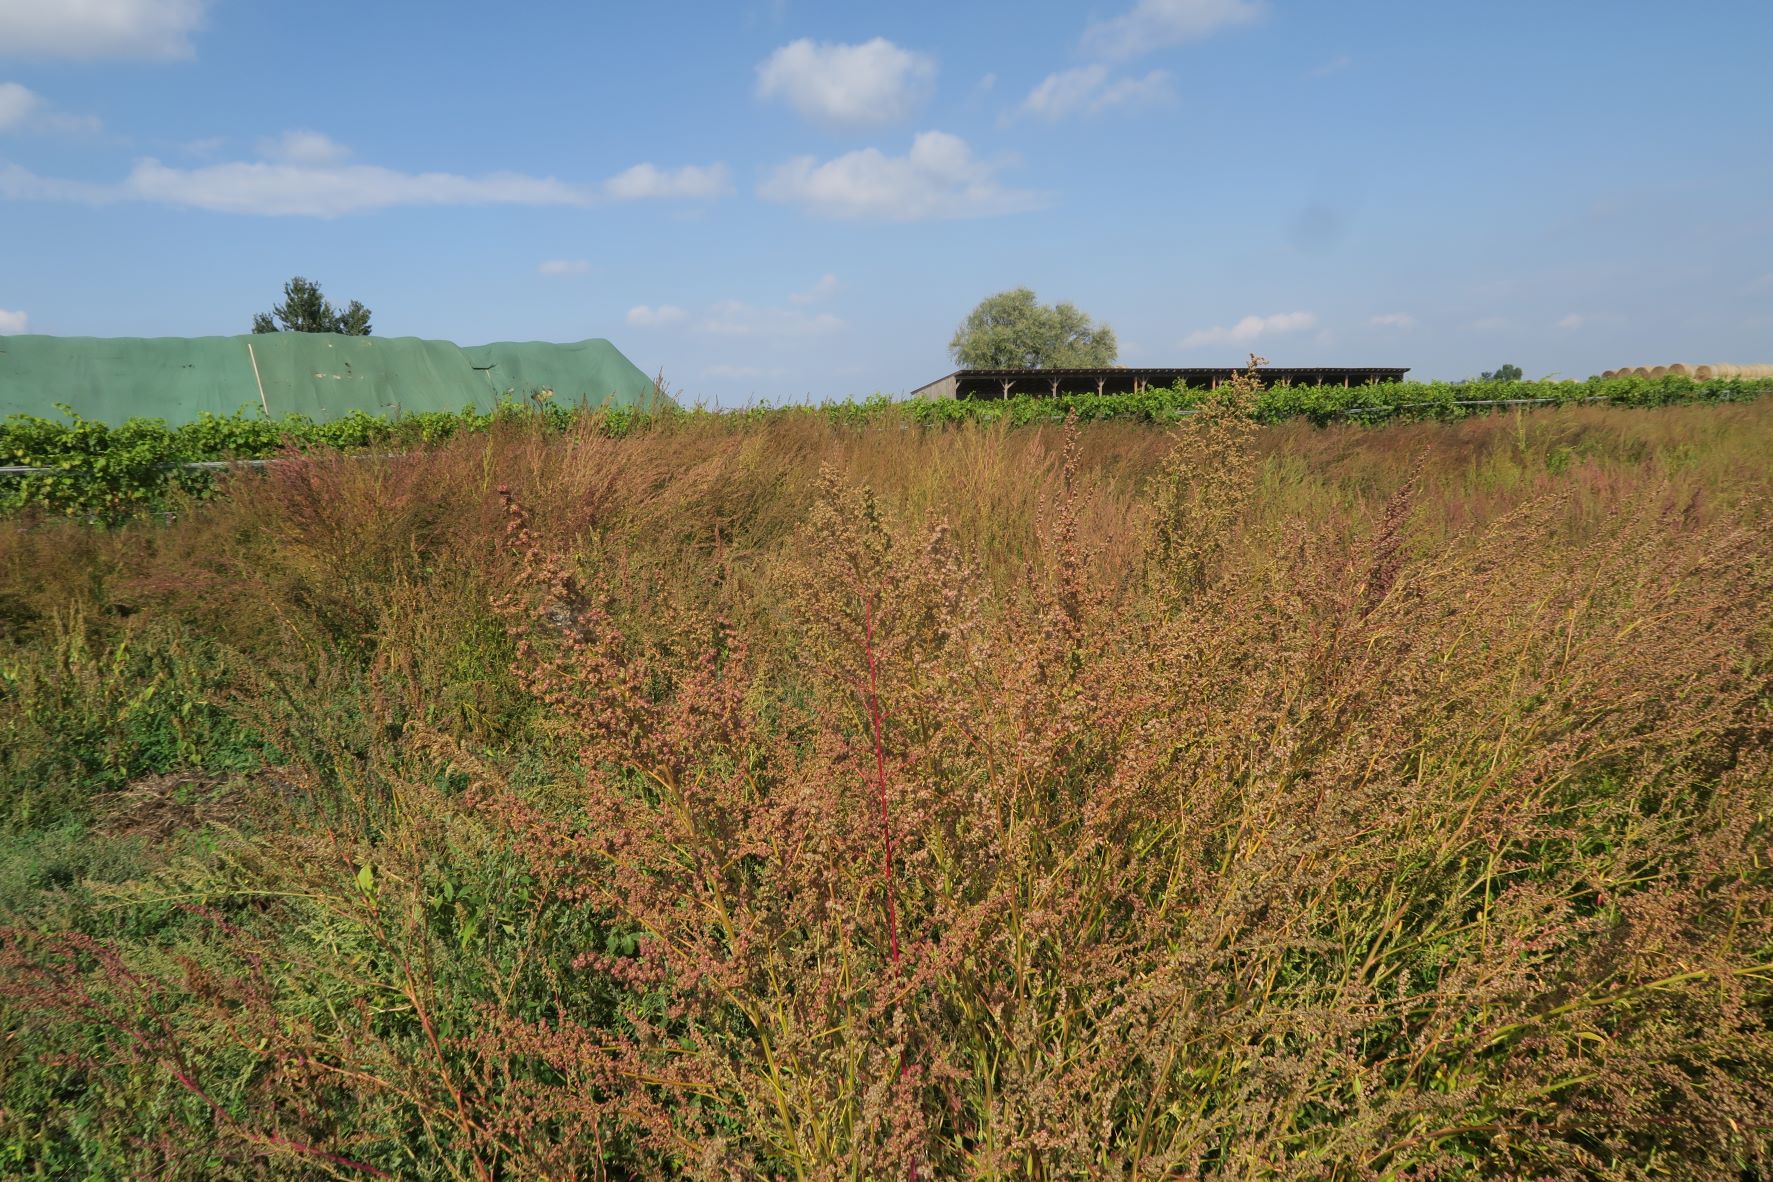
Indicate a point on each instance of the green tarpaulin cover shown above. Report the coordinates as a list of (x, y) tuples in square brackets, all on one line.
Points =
[(320, 375)]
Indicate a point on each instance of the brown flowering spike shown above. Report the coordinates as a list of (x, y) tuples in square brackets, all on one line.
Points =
[(776, 798)]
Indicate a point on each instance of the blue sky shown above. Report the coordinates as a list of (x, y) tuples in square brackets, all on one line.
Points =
[(785, 199)]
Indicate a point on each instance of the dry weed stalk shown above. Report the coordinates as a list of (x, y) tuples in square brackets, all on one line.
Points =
[(1296, 834)]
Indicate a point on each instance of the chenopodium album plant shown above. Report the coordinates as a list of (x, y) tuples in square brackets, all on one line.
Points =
[(1281, 853), (1307, 857)]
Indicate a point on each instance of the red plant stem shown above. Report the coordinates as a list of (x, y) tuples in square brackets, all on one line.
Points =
[(886, 823), (886, 819), (224, 1117)]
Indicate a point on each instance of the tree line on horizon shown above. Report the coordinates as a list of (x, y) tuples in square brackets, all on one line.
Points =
[(1009, 330)]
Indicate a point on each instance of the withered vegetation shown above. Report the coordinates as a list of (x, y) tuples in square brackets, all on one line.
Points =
[(799, 801)]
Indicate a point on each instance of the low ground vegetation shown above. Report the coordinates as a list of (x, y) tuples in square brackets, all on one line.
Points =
[(795, 797)]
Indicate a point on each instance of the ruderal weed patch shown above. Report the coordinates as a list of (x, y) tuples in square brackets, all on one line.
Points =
[(799, 798)]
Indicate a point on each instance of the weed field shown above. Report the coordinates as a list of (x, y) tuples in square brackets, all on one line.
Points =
[(811, 797)]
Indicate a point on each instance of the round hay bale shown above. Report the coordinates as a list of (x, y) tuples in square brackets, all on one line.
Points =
[(1703, 373), (1640, 372), (1678, 370)]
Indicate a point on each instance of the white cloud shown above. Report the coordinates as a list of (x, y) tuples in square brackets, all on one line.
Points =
[(1334, 66), (12, 322), (1572, 322), (16, 105), (63, 123), (563, 267), (303, 147), (736, 318), (938, 178), (1065, 92), (25, 110), (647, 180), (1155, 87), (1394, 320), (723, 370), (305, 175), (867, 85), (1160, 24), (1250, 328), (88, 29), (822, 290), (277, 189), (18, 183), (642, 316), (1087, 88)]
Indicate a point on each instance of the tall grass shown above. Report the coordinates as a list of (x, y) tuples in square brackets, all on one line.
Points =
[(804, 800)]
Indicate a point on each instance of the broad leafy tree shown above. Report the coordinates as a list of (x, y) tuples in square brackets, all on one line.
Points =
[(304, 309), (1507, 373), (1012, 330)]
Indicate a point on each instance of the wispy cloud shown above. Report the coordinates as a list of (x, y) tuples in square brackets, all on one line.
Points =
[(736, 318), (1572, 322), (872, 84), (938, 178), (12, 322), (18, 183), (306, 174), (307, 148), (725, 370), (275, 189), (563, 267), (824, 289), (93, 29), (22, 109), (1089, 89), (1334, 66), (1160, 24), (1393, 320), (692, 181), (16, 105), (1251, 328), (641, 316)]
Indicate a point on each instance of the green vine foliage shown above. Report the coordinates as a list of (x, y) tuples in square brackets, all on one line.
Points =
[(1324, 404), (109, 473)]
